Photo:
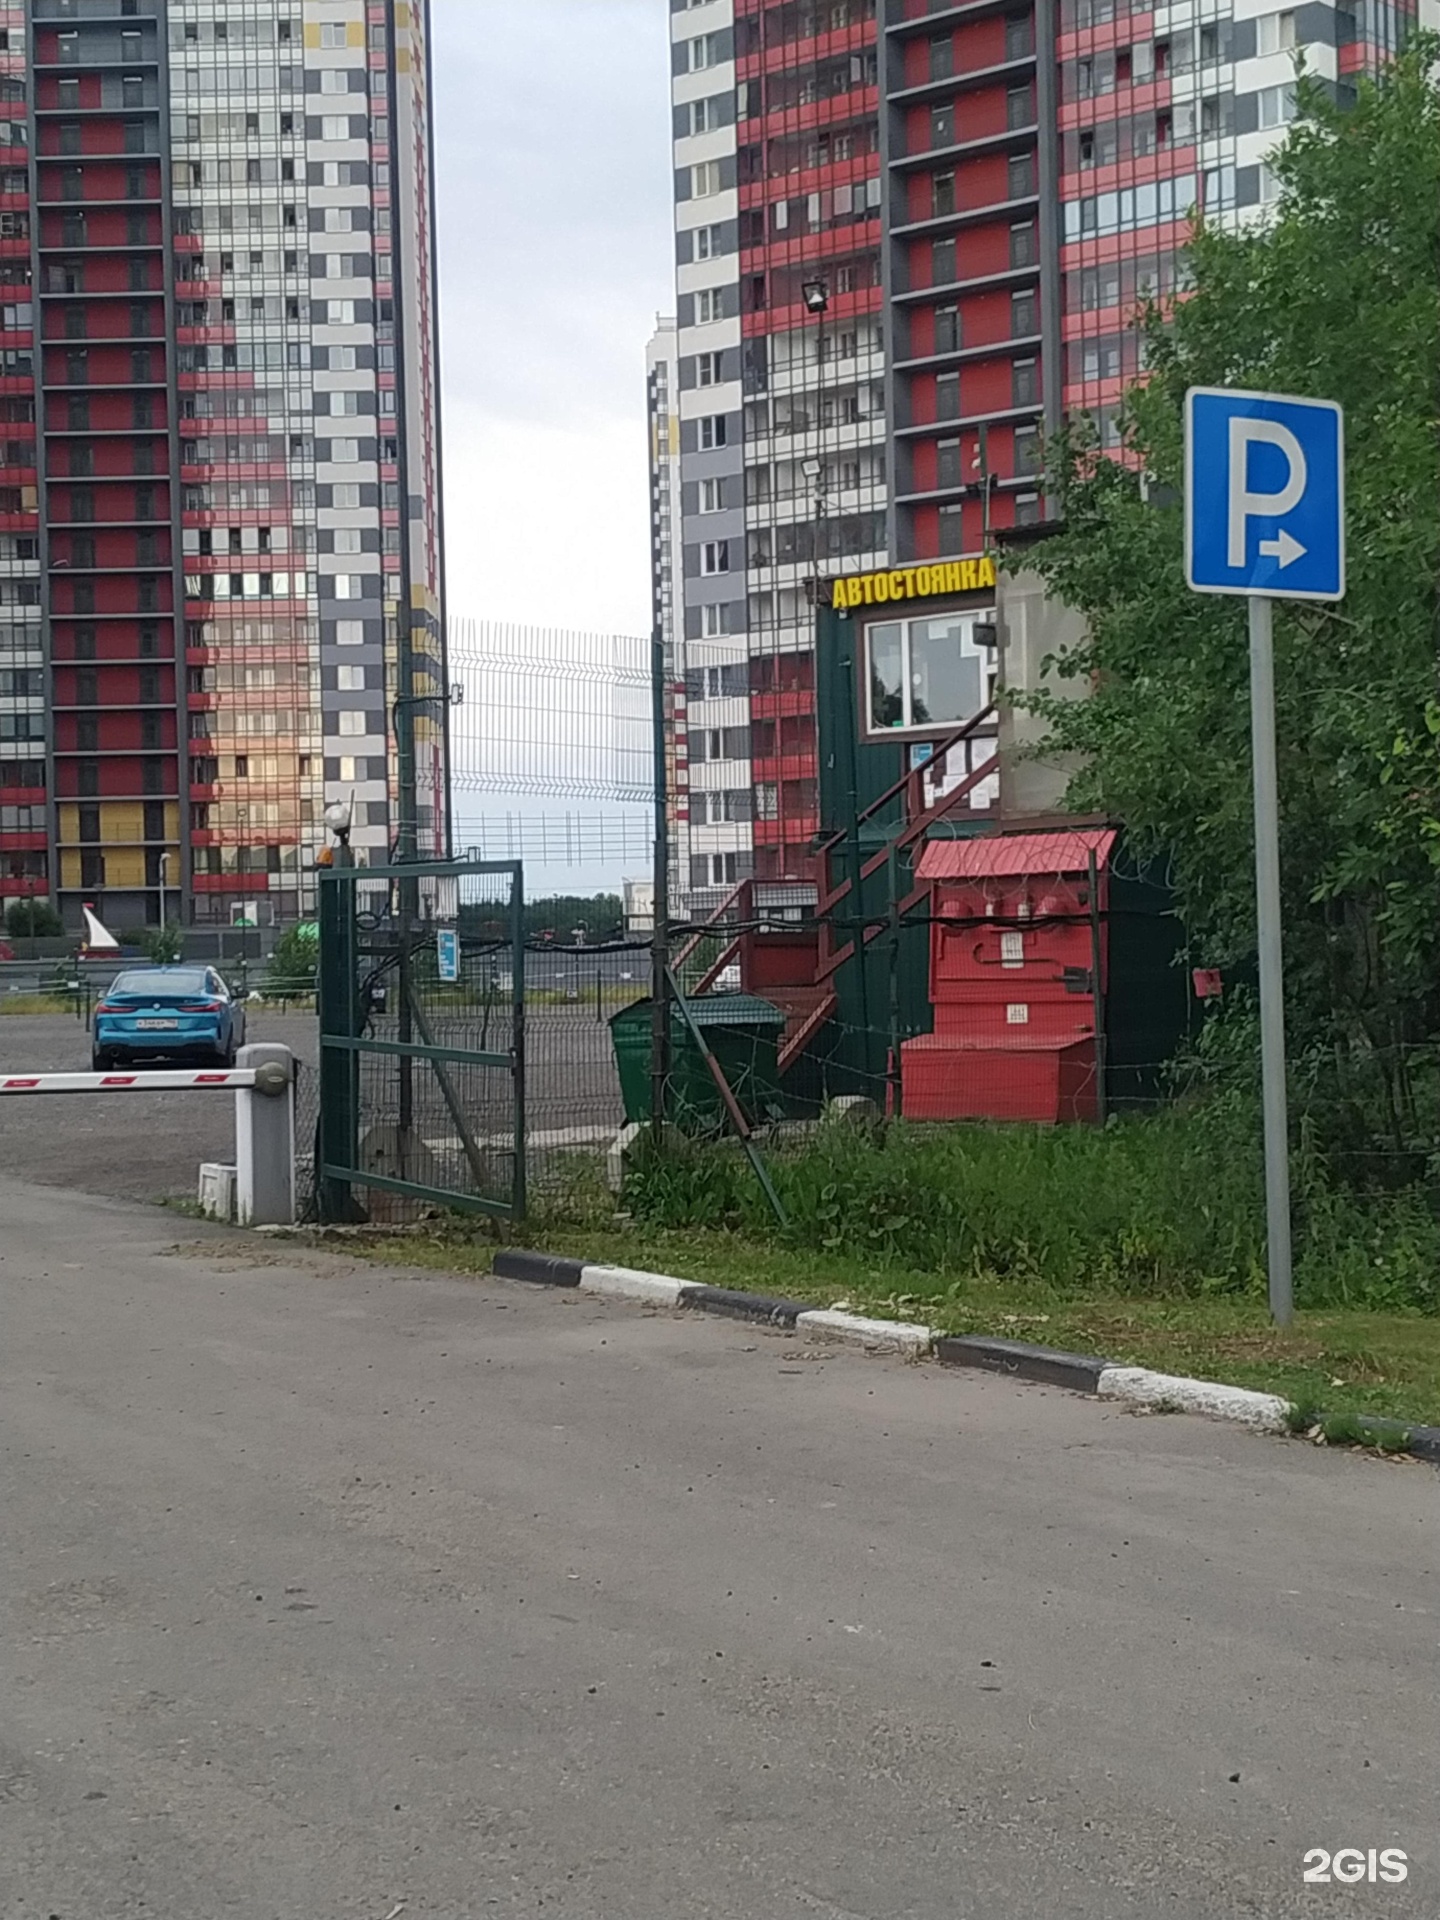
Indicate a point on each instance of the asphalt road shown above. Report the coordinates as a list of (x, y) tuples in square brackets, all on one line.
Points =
[(151, 1146), (329, 1592)]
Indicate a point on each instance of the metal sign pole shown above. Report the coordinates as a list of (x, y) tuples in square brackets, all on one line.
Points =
[(1245, 534), (1272, 973)]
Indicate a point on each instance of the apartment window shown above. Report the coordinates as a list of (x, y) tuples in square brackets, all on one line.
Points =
[(706, 116), (712, 432), (1275, 33), (1027, 450), (706, 50), (87, 687), (709, 305), (87, 777), (154, 821), (149, 641), (75, 323), (349, 633), (1020, 107), (149, 686), (709, 243), (942, 263), (947, 464), (947, 329), (715, 556), (1277, 105), (1021, 175), (942, 194), (1024, 383), (92, 870), (84, 643), (713, 624), (942, 56), (82, 503), (150, 730), (705, 180), (82, 550), (922, 675), (712, 496), (89, 823), (942, 125), (947, 396), (1019, 36), (1023, 319), (1022, 244), (87, 733), (709, 369)]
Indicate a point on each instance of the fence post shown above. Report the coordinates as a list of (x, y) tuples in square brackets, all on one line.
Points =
[(265, 1139), (339, 1017)]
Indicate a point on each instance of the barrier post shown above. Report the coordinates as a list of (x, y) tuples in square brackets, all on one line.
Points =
[(265, 1139)]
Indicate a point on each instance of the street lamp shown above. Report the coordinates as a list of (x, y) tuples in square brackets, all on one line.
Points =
[(816, 296)]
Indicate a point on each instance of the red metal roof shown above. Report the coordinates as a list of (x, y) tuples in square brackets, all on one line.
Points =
[(1015, 855)]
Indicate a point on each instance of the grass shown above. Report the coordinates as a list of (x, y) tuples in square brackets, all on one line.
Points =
[(37, 1003), (1337, 1365), (1143, 1241)]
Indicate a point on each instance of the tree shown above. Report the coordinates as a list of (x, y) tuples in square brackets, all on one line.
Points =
[(33, 920), (294, 962), (1336, 294)]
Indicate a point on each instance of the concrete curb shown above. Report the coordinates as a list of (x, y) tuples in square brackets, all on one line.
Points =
[(1139, 1387), (853, 1330), (1084, 1373), (545, 1269), (744, 1306), (1080, 1372), (626, 1283)]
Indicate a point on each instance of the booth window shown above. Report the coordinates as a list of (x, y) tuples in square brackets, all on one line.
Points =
[(923, 676)]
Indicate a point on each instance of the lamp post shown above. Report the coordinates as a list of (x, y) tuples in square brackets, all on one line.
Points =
[(164, 864), (816, 296)]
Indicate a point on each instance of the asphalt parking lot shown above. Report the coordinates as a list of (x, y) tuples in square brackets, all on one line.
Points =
[(150, 1146), (336, 1592), (134, 1146)]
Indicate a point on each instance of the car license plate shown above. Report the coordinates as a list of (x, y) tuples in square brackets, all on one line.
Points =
[(157, 1026)]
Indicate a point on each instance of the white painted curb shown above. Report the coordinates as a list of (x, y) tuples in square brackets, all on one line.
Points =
[(1139, 1387), (626, 1283), (889, 1336)]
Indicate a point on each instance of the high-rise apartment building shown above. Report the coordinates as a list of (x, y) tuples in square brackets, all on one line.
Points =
[(1043, 161), (782, 395), (221, 556), (662, 391), (912, 237)]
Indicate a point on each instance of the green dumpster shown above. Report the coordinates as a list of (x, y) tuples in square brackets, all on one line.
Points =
[(742, 1032)]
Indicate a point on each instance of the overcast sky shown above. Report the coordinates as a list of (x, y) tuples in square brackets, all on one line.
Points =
[(554, 207)]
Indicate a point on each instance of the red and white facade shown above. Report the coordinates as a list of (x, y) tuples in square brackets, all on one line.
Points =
[(219, 504)]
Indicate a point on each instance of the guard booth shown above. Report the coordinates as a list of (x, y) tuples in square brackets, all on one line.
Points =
[(970, 959), (905, 680)]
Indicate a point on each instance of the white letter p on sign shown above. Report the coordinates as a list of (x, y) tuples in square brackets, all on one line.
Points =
[(1244, 505)]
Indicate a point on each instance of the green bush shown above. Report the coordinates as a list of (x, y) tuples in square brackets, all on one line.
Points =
[(291, 973), (33, 920), (1166, 1204)]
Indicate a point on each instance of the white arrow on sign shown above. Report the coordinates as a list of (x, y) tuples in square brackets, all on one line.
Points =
[(1284, 549)]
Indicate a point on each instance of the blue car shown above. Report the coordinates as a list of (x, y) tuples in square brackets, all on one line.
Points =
[(176, 1015)]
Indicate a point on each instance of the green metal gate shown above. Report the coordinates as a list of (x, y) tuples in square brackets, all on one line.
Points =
[(422, 1039)]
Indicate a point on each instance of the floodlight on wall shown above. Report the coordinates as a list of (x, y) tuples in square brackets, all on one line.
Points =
[(816, 295)]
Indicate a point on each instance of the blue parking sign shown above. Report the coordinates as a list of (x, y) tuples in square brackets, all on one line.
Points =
[(447, 949), (1264, 494)]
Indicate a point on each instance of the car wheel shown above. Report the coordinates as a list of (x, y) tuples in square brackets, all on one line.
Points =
[(101, 1062)]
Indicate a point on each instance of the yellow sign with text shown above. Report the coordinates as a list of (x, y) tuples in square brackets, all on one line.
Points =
[(914, 583)]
